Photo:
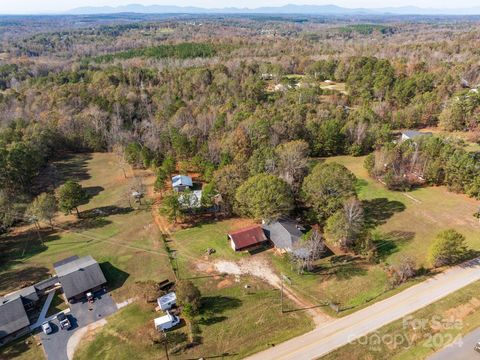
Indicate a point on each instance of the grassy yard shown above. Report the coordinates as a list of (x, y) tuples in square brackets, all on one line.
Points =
[(236, 321), (191, 244), (25, 348), (412, 220), (125, 241), (465, 136), (457, 312), (403, 223)]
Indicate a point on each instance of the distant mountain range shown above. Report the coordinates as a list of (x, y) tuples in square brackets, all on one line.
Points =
[(286, 9)]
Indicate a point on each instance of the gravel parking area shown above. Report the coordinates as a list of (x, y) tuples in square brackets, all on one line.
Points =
[(81, 314)]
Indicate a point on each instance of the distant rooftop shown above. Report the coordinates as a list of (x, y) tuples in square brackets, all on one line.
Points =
[(413, 133), (182, 180)]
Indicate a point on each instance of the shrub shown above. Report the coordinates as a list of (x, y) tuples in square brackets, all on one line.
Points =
[(448, 248)]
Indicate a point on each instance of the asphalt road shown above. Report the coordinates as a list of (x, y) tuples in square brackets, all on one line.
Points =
[(462, 350), (333, 335), (81, 314)]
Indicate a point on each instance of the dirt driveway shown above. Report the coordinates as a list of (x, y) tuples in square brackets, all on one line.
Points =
[(259, 267)]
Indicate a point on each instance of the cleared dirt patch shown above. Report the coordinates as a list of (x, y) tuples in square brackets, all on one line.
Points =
[(260, 268)]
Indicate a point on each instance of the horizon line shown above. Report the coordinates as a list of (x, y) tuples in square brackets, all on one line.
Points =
[(249, 10)]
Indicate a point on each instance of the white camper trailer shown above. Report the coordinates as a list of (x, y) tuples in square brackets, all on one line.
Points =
[(166, 322), (167, 301)]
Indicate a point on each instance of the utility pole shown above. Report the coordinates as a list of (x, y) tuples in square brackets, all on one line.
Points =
[(283, 278), (165, 344), (281, 296), (176, 265), (176, 269)]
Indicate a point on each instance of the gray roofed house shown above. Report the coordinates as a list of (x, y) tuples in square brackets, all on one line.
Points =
[(13, 316), (285, 234), (79, 275)]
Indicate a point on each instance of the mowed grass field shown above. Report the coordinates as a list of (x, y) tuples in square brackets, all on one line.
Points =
[(413, 219), (191, 244), (239, 316), (235, 319), (403, 224), (234, 323), (125, 241)]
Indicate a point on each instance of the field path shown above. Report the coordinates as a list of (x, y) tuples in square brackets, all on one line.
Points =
[(337, 333), (260, 268)]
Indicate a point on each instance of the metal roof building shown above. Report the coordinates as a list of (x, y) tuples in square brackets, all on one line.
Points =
[(79, 275), (13, 316), (180, 182), (247, 238), (411, 134), (285, 235)]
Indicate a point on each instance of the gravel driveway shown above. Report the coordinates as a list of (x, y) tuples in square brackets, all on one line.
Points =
[(81, 314)]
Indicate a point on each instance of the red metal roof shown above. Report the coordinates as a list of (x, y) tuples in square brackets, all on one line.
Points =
[(247, 237)]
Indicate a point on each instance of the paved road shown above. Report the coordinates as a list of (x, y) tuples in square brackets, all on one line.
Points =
[(340, 332), (462, 351), (80, 315)]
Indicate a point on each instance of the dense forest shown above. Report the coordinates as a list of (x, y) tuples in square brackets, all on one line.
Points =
[(248, 104)]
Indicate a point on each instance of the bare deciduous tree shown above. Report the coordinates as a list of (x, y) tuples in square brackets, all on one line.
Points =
[(306, 252), (292, 161)]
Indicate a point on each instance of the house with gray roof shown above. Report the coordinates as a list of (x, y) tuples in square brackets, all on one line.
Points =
[(78, 275), (285, 235), (13, 317)]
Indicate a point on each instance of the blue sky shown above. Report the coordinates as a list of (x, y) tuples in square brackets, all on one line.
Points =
[(36, 6)]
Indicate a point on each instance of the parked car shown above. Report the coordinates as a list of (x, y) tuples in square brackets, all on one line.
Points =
[(64, 322), (166, 322), (477, 347), (46, 328), (166, 302)]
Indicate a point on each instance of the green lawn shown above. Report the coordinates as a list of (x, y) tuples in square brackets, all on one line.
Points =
[(414, 223), (457, 312), (236, 321), (191, 244), (25, 349), (404, 224), (125, 242)]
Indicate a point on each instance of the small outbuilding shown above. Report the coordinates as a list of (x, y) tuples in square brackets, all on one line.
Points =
[(79, 275), (181, 182), (248, 238)]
